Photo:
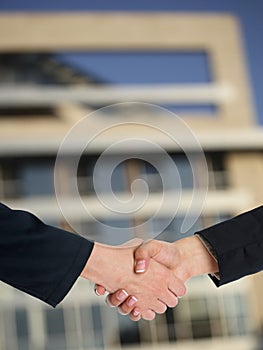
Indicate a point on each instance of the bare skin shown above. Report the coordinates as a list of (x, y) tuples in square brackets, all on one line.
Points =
[(153, 291), (186, 258)]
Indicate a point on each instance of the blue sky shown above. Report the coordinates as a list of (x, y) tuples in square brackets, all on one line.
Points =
[(250, 14)]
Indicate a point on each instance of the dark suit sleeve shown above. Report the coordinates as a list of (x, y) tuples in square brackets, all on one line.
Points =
[(238, 245), (38, 259)]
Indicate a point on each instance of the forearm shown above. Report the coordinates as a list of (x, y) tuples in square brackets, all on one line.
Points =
[(194, 259), (106, 266), (39, 259), (238, 245)]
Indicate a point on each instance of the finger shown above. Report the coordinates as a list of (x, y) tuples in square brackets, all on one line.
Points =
[(148, 315), (141, 265), (99, 290), (177, 287), (169, 299), (126, 307), (143, 254), (117, 298), (159, 307), (135, 314), (108, 302), (168, 294)]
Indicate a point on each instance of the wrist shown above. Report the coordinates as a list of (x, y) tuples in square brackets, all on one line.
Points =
[(105, 266), (195, 259), (94, 269)]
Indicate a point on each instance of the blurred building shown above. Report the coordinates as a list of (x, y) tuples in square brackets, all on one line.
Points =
[(43, 94)]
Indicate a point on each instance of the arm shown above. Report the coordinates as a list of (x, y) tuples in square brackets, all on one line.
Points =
[(44, 262), (186, 258), (236, 246), (112, 267), (38, 259)]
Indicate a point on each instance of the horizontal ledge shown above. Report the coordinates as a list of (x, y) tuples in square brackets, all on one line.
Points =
[(112, 30), (216, 203), (161, 93), (221, 140)]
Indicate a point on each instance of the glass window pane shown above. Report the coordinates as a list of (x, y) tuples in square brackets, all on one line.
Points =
[(37, 179), (55, 329), (141, 67)]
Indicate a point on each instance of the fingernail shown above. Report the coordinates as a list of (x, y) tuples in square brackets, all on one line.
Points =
[(107, 301), (140, 266), (122, 295), (136, 313), (96, 292), (132, 301), (122, 313)]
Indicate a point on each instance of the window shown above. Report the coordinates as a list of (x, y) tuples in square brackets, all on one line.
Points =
[(37, 178), (217, 170), (133, 67), (10, 184)]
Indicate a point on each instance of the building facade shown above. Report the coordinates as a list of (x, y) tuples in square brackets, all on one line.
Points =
[(43, 96)]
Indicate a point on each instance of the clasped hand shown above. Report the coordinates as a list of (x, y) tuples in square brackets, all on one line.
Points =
[(142, 289), (151, 276), (151, 291)]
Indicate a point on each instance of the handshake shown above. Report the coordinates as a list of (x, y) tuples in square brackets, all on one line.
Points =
[(143, 278)]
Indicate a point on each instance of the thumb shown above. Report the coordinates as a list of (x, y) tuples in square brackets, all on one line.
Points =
[(142, 256)]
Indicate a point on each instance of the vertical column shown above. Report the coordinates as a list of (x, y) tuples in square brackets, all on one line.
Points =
[(246, 172)]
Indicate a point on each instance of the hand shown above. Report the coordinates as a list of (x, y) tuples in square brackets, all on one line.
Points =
[(186, 258), (118, 298), (112, 267)]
